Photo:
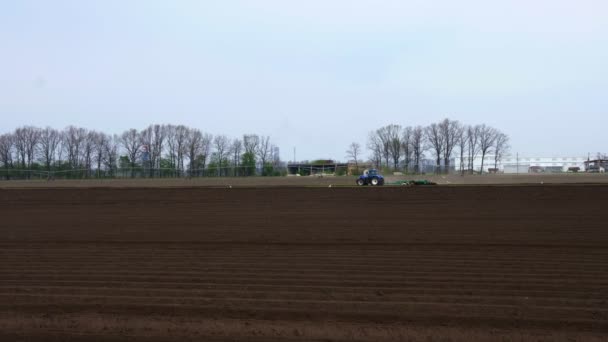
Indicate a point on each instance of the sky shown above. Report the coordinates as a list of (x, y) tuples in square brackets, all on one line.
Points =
[(313, 75)]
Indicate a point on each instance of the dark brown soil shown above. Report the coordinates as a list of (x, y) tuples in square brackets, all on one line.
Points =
[(300, 264)]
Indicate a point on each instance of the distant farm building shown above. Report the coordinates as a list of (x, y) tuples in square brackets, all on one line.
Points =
[(596, 165), (515, 164)]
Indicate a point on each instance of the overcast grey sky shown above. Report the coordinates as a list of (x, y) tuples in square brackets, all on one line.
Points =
[(312, 74)]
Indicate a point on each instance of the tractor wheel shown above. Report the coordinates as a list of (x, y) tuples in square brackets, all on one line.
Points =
[(375, 181), (360, 182)]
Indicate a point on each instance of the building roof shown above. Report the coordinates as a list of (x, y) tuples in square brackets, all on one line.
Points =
[(595, 161)]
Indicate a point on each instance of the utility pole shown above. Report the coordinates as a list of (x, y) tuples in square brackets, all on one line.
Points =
[(295, 160), (517, 162)]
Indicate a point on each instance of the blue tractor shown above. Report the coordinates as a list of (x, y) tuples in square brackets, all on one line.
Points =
[(370, 177)]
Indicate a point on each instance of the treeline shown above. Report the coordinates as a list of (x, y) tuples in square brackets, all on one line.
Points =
[(154, 151), (405, 148)]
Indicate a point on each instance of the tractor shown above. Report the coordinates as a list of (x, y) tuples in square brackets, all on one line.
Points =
[(370, 177)]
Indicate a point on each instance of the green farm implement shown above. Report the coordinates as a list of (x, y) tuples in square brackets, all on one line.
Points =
[(413, 182)]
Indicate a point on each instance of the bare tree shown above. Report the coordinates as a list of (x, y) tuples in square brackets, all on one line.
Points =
[(32, 141), (386, 144), (418, 146), (50, 139), (194, 140), (153, 140), (6, 149), (73, 138), (436, 141), (206, 143), (111, 153), (19, 145), (176, 142), (385, 135), (251, 143), (172, 148), (462, 144), (88, 147), (100, 141), (353, 153), (393, 134), (182, 138), (20, 148), (472, 136), (131, 143), (156, 145), (501, 147), (26, 143), (450, 130), (263, 151), (221, 144), (6, 152), (375, 145), (487, 137), (61, 150), (236, 149), (145, 141)]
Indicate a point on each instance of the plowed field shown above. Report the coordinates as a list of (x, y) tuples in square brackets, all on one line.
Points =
[(305, 264)]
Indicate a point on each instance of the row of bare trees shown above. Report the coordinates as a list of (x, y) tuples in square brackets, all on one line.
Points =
[(30, 147), (404, 148), (183, 149)]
